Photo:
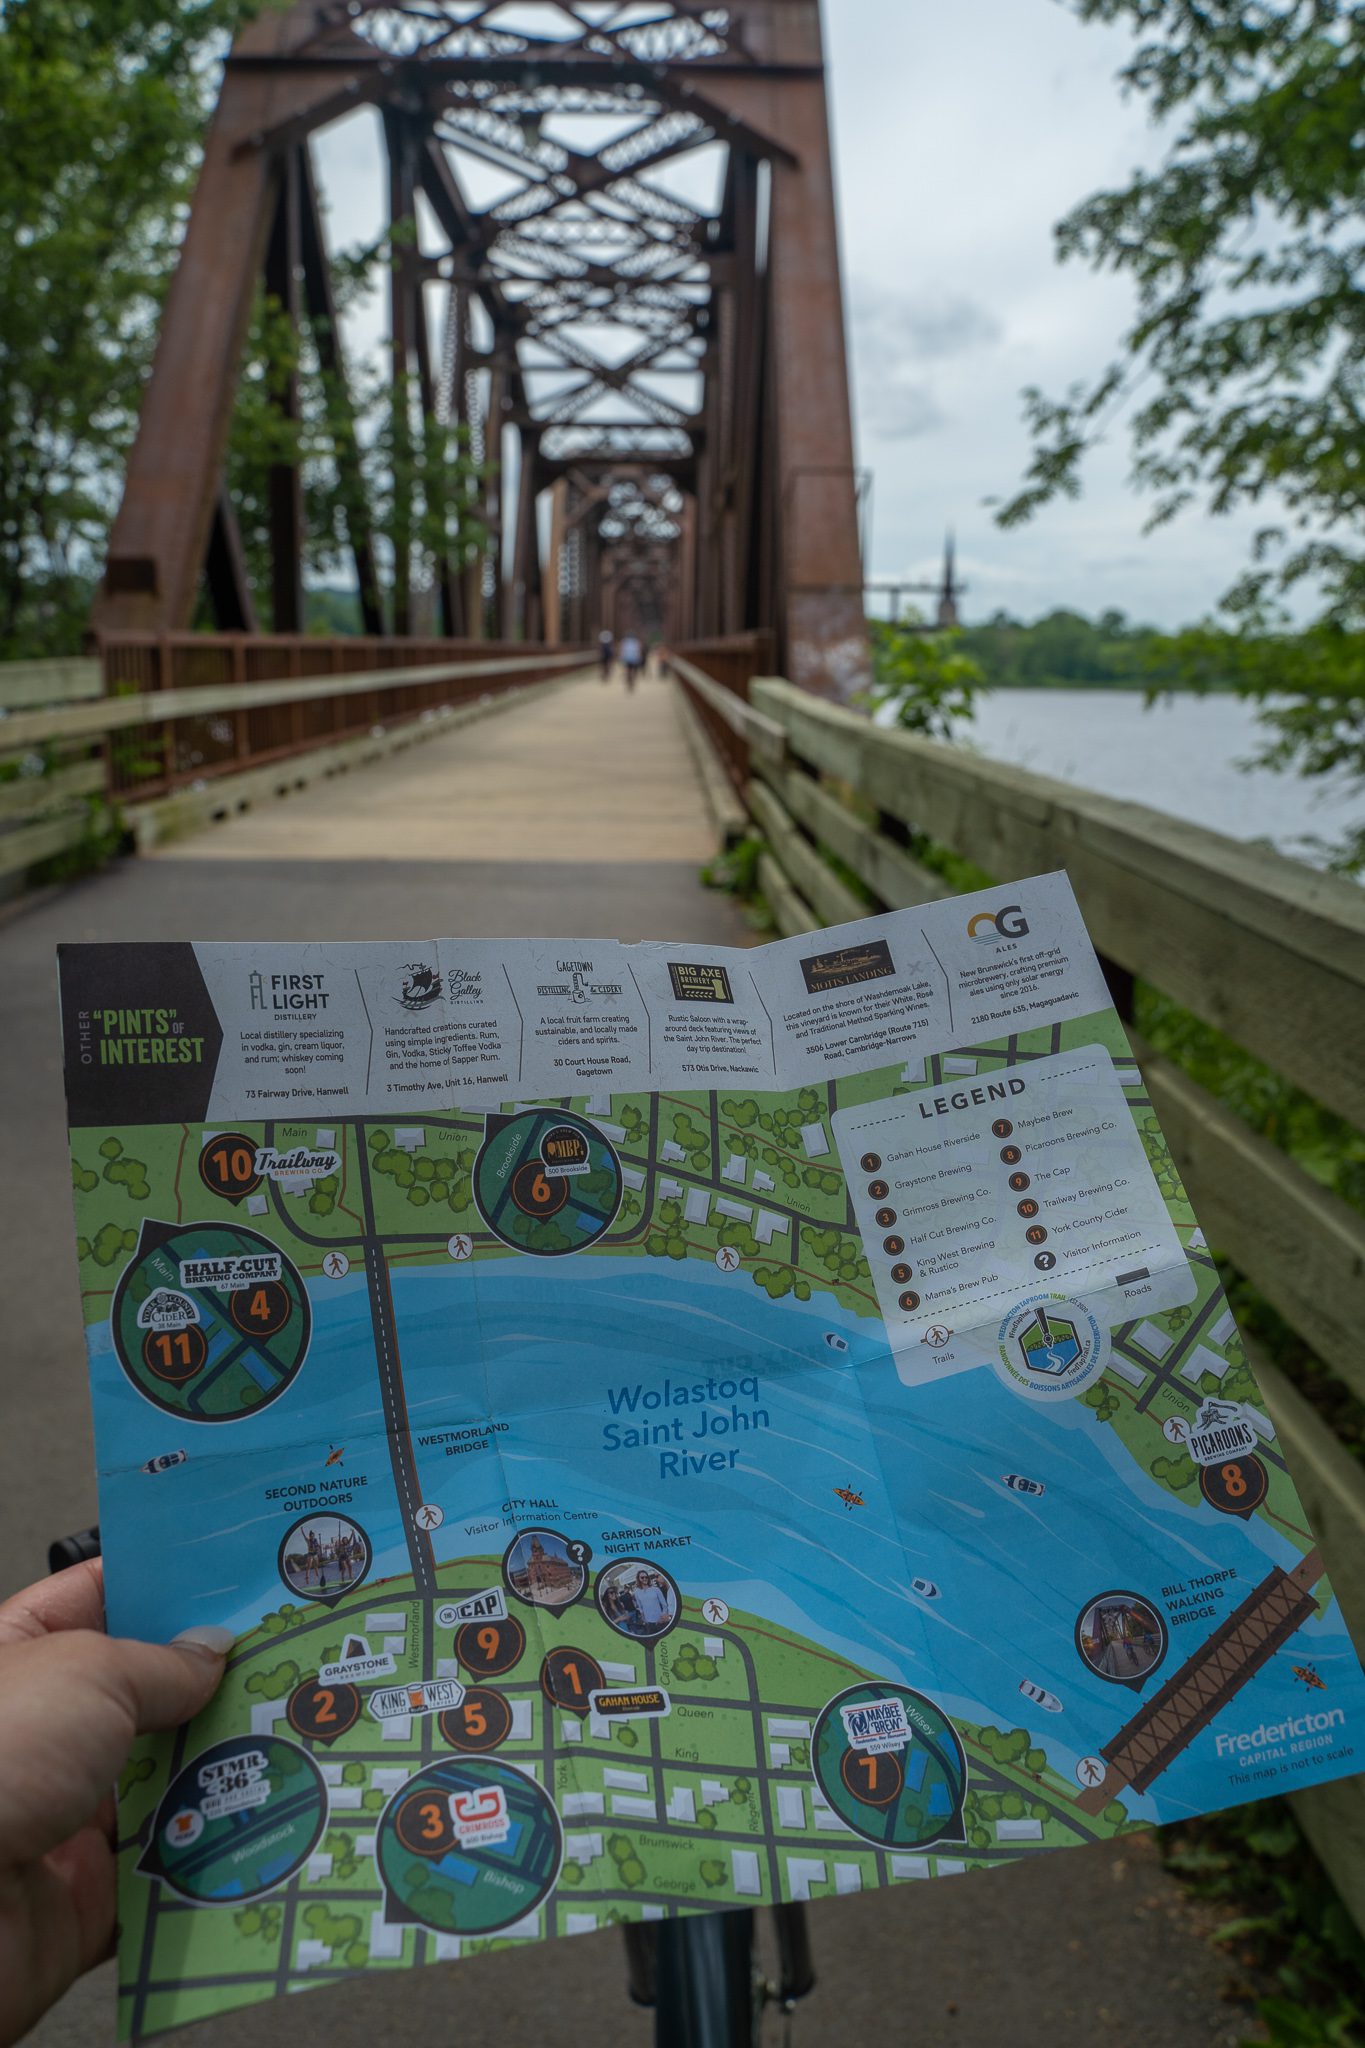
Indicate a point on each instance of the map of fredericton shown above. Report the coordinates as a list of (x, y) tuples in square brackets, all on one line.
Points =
[(670, 1430)]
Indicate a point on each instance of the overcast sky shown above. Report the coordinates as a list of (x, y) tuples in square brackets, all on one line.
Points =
[(963, 131)]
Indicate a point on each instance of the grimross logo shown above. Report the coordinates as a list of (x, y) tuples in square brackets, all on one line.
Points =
[(868, 962), (695, 984), (990, 927)]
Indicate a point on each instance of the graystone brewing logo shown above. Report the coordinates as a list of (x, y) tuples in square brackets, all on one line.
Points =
[(577, 988), (421, 987)]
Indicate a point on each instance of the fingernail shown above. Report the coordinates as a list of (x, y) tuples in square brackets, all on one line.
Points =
[(215, 1642)]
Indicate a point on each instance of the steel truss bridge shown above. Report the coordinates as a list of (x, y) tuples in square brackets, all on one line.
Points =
[(649, 386)]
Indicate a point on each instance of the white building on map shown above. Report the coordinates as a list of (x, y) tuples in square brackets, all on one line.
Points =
[(739, 1212), (815, 1138), (632, 1177), (847, 1878), (770, 1226), (672, 1151), (409, 1137), (697, 1206), (386, 1943), (1200, 1361), (670, 1188), (744, 1873), (1156, 1343), (802, 1873), (791, 1806), (736, 1169), (682, 1805), (1019, 1831), (763, 1182)]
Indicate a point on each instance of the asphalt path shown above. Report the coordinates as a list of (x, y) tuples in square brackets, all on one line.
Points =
[(577, 818)]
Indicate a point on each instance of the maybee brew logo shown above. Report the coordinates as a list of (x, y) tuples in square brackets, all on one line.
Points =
[(992, 927), (694, 984), (869, 962)]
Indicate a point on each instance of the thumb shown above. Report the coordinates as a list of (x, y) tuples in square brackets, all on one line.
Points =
[(71, 1706), (160, 1685)]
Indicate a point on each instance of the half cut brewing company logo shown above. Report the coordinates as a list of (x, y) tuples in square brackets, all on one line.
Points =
[(869, 962), (696, 984)]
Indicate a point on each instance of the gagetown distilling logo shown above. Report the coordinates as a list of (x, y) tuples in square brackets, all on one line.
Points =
[(579, 987)]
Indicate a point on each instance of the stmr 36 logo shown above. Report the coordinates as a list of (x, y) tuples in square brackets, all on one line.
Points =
[(993, 927)]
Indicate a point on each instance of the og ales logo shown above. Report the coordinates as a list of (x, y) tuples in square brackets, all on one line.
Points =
[(992, 927), (868, 962)]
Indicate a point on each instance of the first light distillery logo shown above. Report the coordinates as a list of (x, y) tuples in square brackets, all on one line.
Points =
[(287, 991), (138, 1038)]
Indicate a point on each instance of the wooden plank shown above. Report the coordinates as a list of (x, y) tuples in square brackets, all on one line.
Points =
[(1300, 1245), (22, 850), (153, 707), (727, 813), (792, 913), (29, 796), (1266, 949), (764, 735), (1331, 1485), (893, 875), (161, 819), (834, 901), (24, 684)]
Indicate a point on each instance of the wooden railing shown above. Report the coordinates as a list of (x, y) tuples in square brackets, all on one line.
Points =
[(162, 732), (1268, 951)]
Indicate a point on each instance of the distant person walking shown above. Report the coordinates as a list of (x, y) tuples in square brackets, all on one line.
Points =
[(633, 656), (606, 651)]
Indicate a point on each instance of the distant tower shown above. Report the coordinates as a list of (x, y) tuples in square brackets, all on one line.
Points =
[(950, 589)]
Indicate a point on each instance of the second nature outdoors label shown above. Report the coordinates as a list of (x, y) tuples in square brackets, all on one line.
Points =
[(670, 1428)]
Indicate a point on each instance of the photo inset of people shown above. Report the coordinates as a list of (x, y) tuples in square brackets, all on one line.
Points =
[(1120, 1637), (324, 1554), (637, 1599)]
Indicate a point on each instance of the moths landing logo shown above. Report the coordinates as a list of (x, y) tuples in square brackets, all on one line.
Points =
[(869, 962), (578, 987), (697, 984)]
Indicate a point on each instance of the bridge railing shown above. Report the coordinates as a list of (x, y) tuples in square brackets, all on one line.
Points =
[(164, 731), (1266, 950)]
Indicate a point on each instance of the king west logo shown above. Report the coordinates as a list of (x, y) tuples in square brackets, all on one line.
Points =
[(868, 962), (693, 984), (991, 927)]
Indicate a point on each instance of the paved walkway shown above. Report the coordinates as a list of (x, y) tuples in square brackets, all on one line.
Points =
[(576, 816)]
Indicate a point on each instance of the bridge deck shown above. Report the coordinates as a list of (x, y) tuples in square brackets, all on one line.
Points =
[(578, 814)]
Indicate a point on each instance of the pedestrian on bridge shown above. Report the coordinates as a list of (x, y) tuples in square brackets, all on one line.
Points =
[(606, 651), (633, 655)]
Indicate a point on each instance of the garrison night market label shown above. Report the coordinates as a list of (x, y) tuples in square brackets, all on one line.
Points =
[(670, 1428)]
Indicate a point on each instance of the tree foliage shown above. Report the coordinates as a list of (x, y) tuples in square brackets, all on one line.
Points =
[(1243, 367), (101, 107), (921, 680)]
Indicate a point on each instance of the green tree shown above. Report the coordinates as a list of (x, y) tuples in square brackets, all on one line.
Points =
[(101, 109), (1243, 366), (922, 680)]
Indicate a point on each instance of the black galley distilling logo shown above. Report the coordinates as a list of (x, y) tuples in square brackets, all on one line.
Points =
[(869, 962), (697, 984), (578, 987), (421, 987)]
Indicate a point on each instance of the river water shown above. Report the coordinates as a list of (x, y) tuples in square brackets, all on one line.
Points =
[(1179, 755)]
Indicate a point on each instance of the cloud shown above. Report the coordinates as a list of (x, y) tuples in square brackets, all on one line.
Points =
[(893, 335)]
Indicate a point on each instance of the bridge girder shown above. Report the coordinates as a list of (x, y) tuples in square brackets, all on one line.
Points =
[(627, 336)]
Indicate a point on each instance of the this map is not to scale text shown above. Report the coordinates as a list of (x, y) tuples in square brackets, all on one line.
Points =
[(670, 1430)]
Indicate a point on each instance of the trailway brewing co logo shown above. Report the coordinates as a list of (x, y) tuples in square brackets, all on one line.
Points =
[(1051, 1348), (869, 962), (694, 984)]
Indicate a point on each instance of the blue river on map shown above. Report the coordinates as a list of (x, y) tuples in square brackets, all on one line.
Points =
[(769, 1534)]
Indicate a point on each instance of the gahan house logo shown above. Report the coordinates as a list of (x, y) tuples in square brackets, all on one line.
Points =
[(577, 988), (991, 927)]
